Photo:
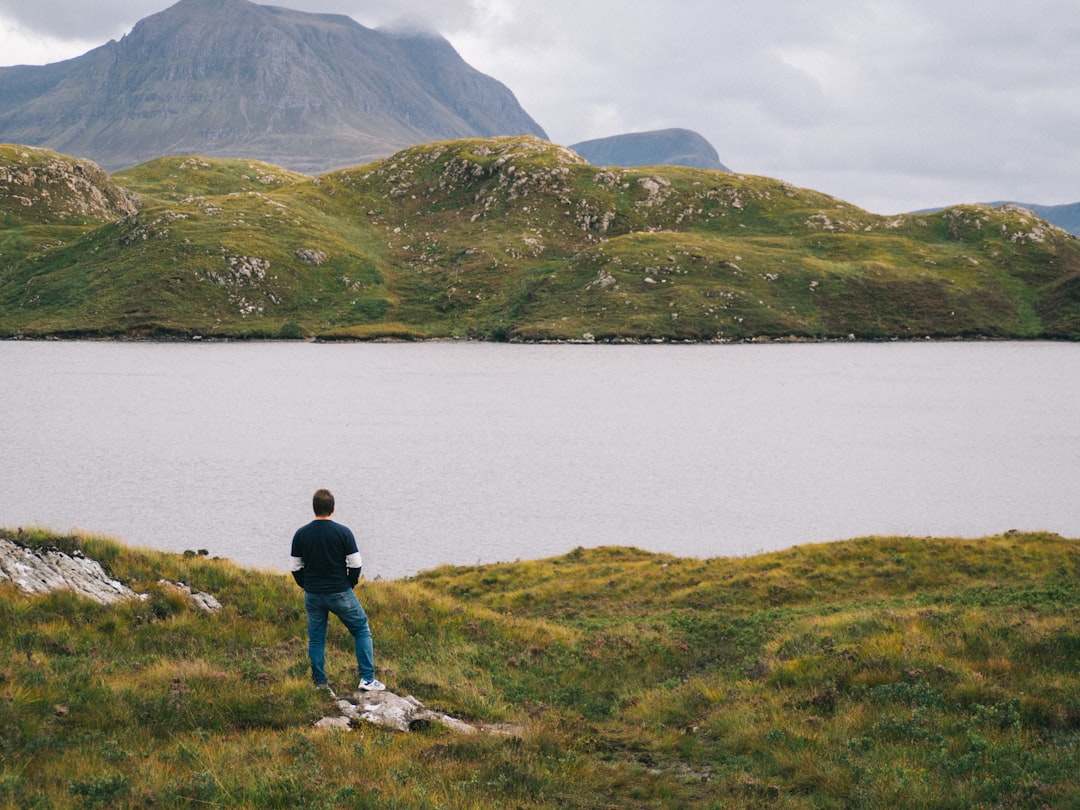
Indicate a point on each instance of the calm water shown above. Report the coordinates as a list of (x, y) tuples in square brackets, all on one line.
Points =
[(464, 453)]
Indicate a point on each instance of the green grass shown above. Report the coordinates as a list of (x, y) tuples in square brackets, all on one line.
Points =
[(879, 672), (512, 238), (174, 179)]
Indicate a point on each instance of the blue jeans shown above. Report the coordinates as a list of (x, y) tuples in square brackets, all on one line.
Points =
[(346, 607)]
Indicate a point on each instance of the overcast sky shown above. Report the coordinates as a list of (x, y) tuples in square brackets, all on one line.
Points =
[(893, 105)]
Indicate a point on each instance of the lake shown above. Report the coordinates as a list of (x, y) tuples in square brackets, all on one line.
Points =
[(470, 453)]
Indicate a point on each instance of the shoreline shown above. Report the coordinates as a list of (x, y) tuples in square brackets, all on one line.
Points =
[(588, 341)]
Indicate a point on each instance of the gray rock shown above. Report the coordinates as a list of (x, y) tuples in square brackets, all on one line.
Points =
[(42, 570), (310, 256), (392, 711), (200, 599), (337, 723)]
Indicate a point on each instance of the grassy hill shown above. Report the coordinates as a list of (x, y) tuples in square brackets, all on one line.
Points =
[(879, 672), (515, 238)]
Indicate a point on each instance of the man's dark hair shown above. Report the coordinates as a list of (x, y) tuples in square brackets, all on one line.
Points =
[(323, 503)]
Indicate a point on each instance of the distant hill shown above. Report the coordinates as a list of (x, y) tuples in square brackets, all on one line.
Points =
[(662, 147), (229, 78), (509, 238)]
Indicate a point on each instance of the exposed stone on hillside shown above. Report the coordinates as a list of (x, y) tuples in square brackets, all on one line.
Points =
[(135, 228), (393, 711), (310, 256), (1066, 217), (36, 570), (200, 599), (488, 166), (42, 570), (37, 185), (1019, 225), (242, 270), (1027, 226)]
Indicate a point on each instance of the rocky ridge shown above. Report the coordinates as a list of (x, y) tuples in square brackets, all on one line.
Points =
[(43, 570), (42, 186)]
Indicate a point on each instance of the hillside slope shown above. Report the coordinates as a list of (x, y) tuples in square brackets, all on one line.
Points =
[(231, 78), (1065, 216), (515, 238), (873, 673)]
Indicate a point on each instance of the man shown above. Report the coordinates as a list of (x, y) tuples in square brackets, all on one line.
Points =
[(326, 564)]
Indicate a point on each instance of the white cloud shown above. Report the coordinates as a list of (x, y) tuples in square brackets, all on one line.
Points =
[(62, 21), (21, 46)]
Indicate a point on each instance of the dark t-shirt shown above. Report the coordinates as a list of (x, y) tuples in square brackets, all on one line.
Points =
[(323, 546)]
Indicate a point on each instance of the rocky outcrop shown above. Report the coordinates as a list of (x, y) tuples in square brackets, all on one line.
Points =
[(200, 599), (393, 711), (39, 570), (44, 570), (396, 712), (41, 186)]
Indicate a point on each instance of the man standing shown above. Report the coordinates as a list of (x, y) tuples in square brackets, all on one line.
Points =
[(326, 564)]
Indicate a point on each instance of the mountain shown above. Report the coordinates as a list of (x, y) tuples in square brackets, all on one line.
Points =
[(229, 78), (662, 147), (509, 238)]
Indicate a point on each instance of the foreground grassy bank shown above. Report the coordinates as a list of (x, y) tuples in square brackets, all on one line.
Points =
[(879, 672)]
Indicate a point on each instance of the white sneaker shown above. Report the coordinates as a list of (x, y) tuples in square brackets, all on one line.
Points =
[(371, 686)]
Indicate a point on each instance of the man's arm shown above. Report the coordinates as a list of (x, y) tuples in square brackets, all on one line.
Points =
[(352, 568), (297, 570)]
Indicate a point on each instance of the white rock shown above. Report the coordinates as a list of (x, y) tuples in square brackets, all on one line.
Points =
[(400, 713), (41, 571), (336, 723), (199, 598)]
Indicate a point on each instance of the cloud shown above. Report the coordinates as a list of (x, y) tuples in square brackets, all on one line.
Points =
[(21, 46), (60, 20)]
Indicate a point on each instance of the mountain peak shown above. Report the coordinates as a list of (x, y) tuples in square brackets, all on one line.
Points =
[(231, 78)]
